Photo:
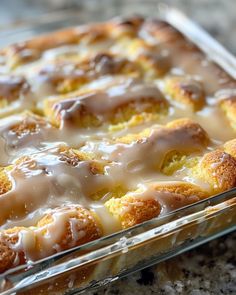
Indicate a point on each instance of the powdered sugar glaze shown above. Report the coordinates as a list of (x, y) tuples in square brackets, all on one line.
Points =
[(126, 138)]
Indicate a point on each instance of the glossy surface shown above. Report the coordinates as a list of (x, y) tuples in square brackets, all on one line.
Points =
[(122, 137)]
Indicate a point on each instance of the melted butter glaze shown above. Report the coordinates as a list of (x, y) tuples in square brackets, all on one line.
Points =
[(45, 179)]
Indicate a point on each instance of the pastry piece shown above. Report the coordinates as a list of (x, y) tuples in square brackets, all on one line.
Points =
[(7, 253), (228, 105), (130, 210), (5, 182), (175, 161), (59, 229), (155, 63), (22, 133), (185, 91), (119, 137), (27, 125), (148, 202), (89, 37), (11, 88), (125, 27), (15, 94), (31, 50), (159, 32), (117, 104), (213, 170), (55, 176), (218, 169), (185, 57), (66, 76), (230, 147), (153, 148)]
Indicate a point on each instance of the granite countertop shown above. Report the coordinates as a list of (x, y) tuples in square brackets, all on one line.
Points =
[(211, 268)]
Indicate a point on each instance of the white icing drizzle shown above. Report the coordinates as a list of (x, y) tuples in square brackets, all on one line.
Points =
[(48, 180), (148, 153), (102, 104), (38, 242), (19, 142), (169, 201)]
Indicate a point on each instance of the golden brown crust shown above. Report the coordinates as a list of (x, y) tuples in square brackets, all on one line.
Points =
[(86, 222), (79, 226), (67, 76), (131, 211), (180, 194), (187, 190), (153, 64), (219, 170), (164, 145), (185, 125), (31, 50), (161, 31), (198, 134), (7, 256), (137, 207), (126, 26), (228, 105), (5, 182), (30, 123), (186, 91), (230, 147), (110, 84), (11, 88), (76, 111), (66, 154)]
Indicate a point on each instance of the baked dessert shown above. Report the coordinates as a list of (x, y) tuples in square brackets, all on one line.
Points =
[(106, 126)]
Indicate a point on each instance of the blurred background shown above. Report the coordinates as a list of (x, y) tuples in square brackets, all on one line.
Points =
[(217, 16)]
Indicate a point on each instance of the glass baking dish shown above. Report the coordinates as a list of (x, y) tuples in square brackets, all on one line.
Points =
[(99, 262)]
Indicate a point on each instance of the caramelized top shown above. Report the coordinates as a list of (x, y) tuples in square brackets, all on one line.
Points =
[(103, 127)]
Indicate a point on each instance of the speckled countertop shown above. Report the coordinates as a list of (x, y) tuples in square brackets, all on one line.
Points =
[(211, 268)]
